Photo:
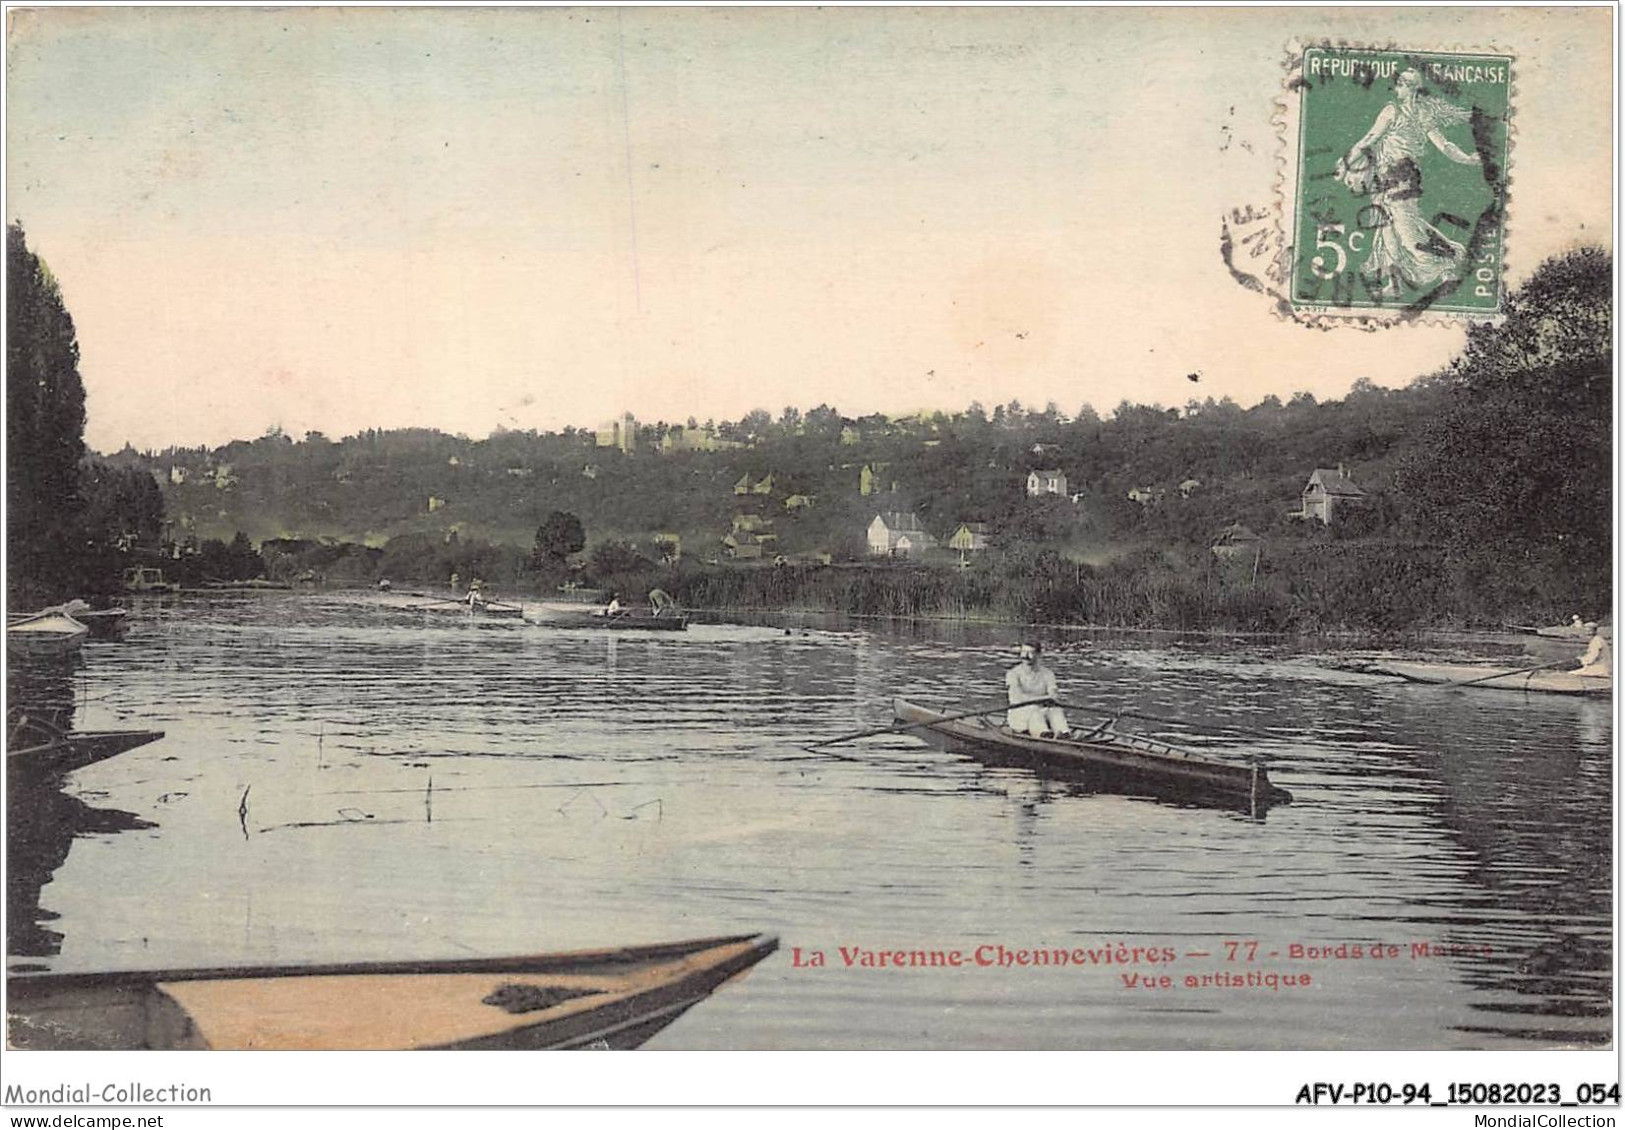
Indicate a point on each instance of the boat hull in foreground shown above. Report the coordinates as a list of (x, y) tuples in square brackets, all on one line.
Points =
[(34, 755), (1115, 760), (604, 999), (1470, 676)]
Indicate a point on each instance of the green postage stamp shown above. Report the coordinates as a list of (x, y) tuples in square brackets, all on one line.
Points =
[(1396, 193)]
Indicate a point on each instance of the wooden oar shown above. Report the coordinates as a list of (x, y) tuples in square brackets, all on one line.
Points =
[(443, 600), (1159, 719), (1507, 674), (897, 728)]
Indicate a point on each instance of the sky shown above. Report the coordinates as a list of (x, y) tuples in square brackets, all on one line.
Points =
[(335, 219)]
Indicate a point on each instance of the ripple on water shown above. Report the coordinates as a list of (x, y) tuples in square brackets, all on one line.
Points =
[(343, 781)]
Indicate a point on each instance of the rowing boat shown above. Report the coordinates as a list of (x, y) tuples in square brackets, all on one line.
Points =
[(1473, 675), (37, 750), (604, 999), (429, 602), (1575, 629), (564, 614), (51, 632), (1103, 754)]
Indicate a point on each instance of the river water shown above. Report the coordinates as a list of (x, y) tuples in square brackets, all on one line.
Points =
[(341, 781)]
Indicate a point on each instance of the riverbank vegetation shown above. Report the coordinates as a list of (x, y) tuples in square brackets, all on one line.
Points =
[(1485, 496)]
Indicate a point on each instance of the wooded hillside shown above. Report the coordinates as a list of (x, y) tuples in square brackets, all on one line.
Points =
[(1497, 467)]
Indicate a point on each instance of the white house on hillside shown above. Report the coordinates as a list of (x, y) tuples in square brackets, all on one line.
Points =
[(1327, 490), (1046, 482), (898, 535)]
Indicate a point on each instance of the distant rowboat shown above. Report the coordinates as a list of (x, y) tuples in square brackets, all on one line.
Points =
[(1575, 629), (430, 602), (569, 614), (605, 998), (146, 579), (1472, 675)]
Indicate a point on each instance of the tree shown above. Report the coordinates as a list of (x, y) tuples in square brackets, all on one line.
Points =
[(823, 422), (611, 558), (1515, 470), (243, 559), (45, 423), (755, 423), (123, 506), (556, 538)]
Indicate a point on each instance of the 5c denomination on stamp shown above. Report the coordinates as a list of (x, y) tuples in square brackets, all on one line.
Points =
[(1396, 191)]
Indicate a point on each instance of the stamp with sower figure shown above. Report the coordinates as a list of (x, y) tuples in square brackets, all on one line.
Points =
[(1397, 183)]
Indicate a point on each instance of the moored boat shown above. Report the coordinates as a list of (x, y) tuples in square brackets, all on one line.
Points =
[(1103, 753), (51, 632), (1472, 675), (103, 623), (147, 579), (605, 998)]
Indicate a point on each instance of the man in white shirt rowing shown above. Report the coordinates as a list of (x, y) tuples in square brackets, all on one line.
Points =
[(1029, 681)]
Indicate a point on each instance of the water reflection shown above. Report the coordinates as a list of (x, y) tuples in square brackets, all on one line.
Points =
[(42, 821), (1525, 788), (43, 686), (422, 785), (41, 826)]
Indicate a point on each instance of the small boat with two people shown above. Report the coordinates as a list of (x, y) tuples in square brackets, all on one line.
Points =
[(615, 998)]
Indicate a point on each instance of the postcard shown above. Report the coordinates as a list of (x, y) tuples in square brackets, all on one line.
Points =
[(1082, 532)]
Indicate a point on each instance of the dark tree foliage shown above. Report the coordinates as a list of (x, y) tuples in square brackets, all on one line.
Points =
[(557, 538), (45, 421), (1517, 468), (433, 558), (233, 561), (615, 557), (123, 507)]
